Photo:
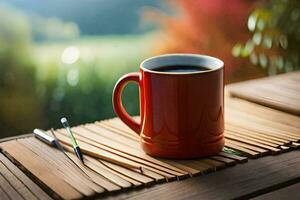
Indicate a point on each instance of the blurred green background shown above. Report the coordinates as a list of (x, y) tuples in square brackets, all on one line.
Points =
[(62, 57)]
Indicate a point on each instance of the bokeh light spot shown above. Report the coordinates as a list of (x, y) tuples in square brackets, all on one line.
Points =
[(70, 55), (73, 77)]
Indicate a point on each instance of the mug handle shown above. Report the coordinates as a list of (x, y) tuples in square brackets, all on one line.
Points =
[(117, 100)]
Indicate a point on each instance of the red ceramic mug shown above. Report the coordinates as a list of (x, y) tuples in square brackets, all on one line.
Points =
[(182, 113)]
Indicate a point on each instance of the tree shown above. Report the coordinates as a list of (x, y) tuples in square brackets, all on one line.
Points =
[(205, 27), (19, 110), (275, 41)]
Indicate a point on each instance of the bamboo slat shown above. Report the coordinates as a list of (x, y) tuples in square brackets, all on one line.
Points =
[(40, 169), (239, 159), (247, 146), (250, 142), (295, 145), (201, 167), (104, 171), (291, 130), (253, 139), (103, 154), (98, 178), (63, 165), (212, 163), (225, 160), (255, 134), (264, 122), (104, 124), (247, 152), (3, 195), (137, 152), (60, 165), (130, 173), (191, 171), (16, 183), (29, 184), (262, 129), (11, 192)]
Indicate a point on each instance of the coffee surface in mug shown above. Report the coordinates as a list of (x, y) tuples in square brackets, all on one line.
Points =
[(181, 68)]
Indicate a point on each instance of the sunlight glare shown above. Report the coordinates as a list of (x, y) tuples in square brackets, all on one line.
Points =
[(70, 55)]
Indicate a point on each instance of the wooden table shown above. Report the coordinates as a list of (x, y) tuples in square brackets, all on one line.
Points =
[(274, 176), (271, 177)]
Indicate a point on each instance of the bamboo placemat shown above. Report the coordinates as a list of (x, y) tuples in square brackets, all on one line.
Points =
[(252, 130), (281, 92), (14, 184)]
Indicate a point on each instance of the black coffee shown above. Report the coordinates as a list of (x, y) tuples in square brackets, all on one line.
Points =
[(180, 69)]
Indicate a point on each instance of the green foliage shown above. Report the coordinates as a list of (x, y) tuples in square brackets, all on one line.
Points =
[(14, 35), (17, 74), (275, 42)]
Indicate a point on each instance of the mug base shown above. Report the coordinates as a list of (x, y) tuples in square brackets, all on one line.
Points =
[(184, 151)]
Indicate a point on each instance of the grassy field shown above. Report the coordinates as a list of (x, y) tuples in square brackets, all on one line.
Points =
[(109, 54)]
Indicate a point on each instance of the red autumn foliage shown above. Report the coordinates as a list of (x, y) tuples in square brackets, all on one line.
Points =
[(209, 27)]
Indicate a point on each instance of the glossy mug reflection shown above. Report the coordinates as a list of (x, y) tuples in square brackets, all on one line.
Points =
[(181, 105)]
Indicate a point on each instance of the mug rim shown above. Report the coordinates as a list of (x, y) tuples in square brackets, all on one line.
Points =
[(218, 64)]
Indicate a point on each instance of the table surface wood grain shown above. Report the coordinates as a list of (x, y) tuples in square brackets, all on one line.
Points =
[(265, 177), (270, 177)]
